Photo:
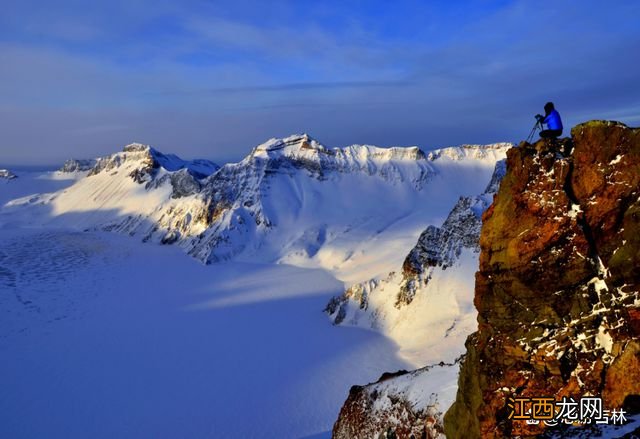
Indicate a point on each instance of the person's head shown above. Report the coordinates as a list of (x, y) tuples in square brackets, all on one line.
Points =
[(548, 107)]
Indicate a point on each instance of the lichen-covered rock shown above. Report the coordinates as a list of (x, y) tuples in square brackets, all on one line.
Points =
[(557, 287)]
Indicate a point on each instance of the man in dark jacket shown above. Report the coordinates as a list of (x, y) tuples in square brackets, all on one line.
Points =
[(552, 120)]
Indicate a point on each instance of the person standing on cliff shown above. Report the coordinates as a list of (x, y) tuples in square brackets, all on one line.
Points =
[(552, 120)]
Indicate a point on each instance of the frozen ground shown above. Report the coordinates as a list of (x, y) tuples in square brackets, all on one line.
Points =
[(101, 336)]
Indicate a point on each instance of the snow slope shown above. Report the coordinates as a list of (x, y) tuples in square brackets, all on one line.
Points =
[(426, 303), (32, 184), (426, 307), (102, 337)]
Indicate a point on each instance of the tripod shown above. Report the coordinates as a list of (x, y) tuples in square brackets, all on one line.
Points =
[(537, 126)]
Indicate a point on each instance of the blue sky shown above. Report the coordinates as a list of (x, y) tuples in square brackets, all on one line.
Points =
[(214, 78)]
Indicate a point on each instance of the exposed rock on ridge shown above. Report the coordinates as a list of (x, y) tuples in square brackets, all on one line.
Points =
[(77, 165), (441, 246), (304, 152)]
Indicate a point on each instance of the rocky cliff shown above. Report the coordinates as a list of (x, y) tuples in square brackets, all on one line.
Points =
[(557, 286)]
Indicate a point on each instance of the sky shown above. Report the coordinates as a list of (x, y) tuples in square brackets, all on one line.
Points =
[(212, 79)]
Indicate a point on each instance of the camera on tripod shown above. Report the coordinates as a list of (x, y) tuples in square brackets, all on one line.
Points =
[(537, 126)]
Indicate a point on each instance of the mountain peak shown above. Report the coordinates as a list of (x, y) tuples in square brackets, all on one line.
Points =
[(137, 147), (289, 145), (145, 158)]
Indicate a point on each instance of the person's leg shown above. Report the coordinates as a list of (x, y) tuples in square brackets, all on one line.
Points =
[(550, 134)]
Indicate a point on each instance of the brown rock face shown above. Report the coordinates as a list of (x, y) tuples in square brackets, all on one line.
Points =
[(557, 287), (385, 410)]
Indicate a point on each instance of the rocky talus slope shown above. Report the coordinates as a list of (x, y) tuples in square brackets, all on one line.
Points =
[(557, 287)]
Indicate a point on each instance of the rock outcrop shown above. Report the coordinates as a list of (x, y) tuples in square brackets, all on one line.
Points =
[(557, 287), (399, 405)]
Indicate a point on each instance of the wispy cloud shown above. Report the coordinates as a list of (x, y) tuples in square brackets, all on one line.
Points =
[(300, 86), (215, 79)]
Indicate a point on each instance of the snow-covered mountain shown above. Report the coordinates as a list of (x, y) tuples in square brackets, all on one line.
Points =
[(296, 222), (353, 210), (6, 175)]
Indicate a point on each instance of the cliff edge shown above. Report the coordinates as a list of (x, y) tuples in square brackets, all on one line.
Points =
[(557, 286)]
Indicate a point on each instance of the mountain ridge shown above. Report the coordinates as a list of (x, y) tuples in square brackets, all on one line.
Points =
[(236, 208)]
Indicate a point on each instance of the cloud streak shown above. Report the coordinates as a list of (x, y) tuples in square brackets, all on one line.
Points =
[(300, 86)]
